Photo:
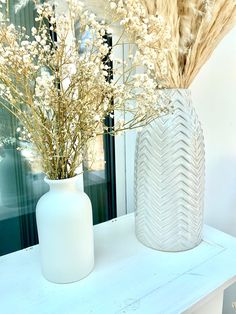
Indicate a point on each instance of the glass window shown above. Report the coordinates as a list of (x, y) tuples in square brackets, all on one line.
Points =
[(21, 179)]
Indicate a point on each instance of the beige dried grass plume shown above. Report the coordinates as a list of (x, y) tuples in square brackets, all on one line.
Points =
[(197, 26)]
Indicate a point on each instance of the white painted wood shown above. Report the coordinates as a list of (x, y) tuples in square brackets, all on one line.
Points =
[(212, 304), (120, 146), (120, 175), (128, 277)]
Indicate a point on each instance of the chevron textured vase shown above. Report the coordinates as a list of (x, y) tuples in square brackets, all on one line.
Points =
[(169, 178)]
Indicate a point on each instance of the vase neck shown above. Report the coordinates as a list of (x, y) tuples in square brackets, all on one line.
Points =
[(68, 185), (178, 97), (174, 92)]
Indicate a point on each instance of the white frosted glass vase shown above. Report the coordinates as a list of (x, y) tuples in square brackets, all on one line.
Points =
[(170, 177), (65, 229)]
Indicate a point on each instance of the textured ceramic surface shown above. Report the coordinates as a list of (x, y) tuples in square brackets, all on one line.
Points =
[(65, 228), (170, 177)]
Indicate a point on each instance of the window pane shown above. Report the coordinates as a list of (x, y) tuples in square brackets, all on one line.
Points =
[(21, 184), (99, 183), (21, 178)]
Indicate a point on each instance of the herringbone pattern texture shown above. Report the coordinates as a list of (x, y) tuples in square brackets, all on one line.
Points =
[(169, 178)]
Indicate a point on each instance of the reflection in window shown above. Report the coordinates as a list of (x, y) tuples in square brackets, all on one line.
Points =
[(21, 178), (99, 181)]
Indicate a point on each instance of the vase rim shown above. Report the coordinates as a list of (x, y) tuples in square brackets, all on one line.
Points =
[(61, 181), (177, 88)]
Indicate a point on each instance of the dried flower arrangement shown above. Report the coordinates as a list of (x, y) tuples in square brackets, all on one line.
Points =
[(60, 90), (178, 35)]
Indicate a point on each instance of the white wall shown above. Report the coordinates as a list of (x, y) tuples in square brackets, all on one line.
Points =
[(214, 96)]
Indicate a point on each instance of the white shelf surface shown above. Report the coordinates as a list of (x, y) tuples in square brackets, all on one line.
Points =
[(128, 277)]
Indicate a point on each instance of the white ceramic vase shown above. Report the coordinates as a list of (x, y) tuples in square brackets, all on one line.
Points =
[(170, 177), (65, 229)]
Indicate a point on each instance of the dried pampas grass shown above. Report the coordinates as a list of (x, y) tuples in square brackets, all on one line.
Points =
[(200, 25), (196, 27)]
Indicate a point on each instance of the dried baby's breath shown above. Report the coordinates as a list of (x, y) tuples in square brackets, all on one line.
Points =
[(62, 91)]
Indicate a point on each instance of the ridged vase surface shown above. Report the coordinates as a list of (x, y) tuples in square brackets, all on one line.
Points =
[(170, 178)]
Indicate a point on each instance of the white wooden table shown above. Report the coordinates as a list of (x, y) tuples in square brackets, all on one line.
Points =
[(128, 277)]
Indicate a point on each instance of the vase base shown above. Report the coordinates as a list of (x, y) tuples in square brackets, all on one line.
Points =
[(171, 249), (67, 281)]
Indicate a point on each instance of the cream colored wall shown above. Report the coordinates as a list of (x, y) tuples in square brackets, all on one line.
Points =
[(214, 96)]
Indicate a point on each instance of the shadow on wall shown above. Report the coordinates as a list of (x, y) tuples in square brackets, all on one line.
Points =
[(229, 305), (220, 194)]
